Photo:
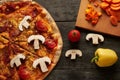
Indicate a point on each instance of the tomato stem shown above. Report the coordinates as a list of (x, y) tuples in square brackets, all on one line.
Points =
[(74, 33)]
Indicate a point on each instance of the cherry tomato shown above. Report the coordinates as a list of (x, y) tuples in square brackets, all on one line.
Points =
[(74, 35), (41, 26), (23, 73), (50, 43)]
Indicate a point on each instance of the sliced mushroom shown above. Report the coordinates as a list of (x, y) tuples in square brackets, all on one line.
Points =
[(73, 53), (36, 39), (42, 63), (16, 60), (95, 38), (24, 23)]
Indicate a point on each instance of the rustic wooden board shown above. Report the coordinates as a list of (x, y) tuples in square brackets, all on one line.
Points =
[(104, 25)]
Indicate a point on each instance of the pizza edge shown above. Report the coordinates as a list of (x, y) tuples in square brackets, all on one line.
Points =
[(59, 45)]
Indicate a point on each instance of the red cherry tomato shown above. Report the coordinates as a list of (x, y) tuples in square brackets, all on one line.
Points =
[(74, 35), (50, 43), (23, 73), (41, 26)]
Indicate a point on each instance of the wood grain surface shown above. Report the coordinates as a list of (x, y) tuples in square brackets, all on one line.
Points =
[(104, 25), (65, 14)]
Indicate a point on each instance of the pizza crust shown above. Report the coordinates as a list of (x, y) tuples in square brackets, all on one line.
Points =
[(60, 42)]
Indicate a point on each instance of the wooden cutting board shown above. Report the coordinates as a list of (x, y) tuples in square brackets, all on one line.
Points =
[(104, 25)]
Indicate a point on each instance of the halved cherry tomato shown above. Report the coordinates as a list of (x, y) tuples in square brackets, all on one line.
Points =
[(50, 43), (41, 26), (23, 73)]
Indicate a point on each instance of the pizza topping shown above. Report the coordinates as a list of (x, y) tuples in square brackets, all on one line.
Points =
[(50, 43), (12, 6), (36, 39), (3, 29), (3, 40), (16, 60), (2, 77), (41, 52), (24, 23), (23, 73), (23, 4), (42, 63), (73, 53), (9, 8), (14, 32), (95, 38), (7, 51), (34, 12), (41, 26), (5, 35), (2, 45)]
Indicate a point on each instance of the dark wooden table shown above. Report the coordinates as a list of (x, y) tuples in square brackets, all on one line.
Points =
[(65, 13)]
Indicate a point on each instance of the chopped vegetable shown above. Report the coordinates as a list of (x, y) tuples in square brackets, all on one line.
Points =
[(92, 15)]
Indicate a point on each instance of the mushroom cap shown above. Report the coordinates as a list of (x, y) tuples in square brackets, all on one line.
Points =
[(42, 63), (73, 53), (24, 23), (92, 35), (39, 37), (16, 60)]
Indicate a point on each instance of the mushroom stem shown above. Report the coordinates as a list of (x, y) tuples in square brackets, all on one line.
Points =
[(36, 44), (73, 55), (95, 40), (43, 66)]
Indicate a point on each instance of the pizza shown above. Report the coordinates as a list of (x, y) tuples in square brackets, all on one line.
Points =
[(30, 41)]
